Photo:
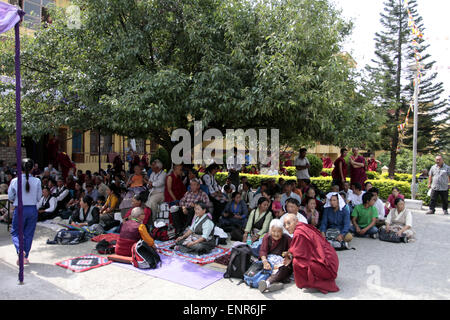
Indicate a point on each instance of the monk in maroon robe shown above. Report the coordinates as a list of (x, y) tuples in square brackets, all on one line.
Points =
[(326, 161), (357, 168), (315, 261), (65, 164)]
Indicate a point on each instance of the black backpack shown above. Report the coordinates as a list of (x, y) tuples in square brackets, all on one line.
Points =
[(240, 261), (69, 237)]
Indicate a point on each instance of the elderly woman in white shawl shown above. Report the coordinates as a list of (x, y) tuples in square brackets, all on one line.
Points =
[(336, 221), (399, 221)]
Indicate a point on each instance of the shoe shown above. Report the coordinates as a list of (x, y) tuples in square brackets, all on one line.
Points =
[(26, 261), (276, 286), (262, 286), (405, 239), (445, 212), (374, 236), (346, 245), (430, 212)]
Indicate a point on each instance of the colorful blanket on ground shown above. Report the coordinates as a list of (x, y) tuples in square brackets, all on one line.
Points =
[(84, 263), (164, 248)]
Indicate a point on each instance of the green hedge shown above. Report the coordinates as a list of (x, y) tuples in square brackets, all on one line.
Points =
[(400, 176)]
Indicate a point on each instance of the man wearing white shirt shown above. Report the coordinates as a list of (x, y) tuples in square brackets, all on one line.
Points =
[(302, 165), (156, 184), (289, 186), (379, 205), (356, 197)]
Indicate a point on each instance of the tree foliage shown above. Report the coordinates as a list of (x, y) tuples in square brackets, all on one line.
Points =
[(390, 84), (144, 68)]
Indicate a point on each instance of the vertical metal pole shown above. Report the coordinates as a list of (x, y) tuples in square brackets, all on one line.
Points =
[(416, 119)]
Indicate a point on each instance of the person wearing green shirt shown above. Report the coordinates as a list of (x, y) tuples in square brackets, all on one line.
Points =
[(364, 217)]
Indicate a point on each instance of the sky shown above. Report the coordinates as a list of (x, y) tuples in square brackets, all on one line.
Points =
[(365, 15)]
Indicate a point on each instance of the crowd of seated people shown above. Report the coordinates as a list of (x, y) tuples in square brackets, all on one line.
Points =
[(265, 217)]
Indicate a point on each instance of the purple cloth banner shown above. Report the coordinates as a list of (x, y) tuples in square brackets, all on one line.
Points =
[(9, 16)]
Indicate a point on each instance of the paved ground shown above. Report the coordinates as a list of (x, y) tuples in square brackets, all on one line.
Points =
[(375, 270)]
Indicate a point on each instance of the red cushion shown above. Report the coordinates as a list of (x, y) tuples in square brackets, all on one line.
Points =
[(118, 258)]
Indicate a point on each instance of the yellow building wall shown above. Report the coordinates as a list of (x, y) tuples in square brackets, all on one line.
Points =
[(119, 146)]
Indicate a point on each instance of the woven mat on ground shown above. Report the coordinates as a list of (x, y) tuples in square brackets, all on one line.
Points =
[(84, 263), (164, 248)]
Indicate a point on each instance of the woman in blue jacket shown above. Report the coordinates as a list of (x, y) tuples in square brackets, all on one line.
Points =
[(336, 218), (235, 213)]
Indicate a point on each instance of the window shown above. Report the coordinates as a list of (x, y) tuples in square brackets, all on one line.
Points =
[(140, 146), (77, 141), (105, 143), (36, 10)]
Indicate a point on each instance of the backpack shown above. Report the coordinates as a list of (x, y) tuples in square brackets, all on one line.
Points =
[(143, 256), (105, 247), (240, 261), (390, 236), (64, 237), (161, 234), (331, 236), (256, 273)]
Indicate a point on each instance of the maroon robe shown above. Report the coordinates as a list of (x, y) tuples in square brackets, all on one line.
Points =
[(358, 174), (327, 163), (315, 261)]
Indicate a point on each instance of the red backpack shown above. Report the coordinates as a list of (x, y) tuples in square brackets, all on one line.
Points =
[(143, 256)]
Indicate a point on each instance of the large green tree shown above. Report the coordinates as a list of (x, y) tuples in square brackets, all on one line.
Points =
[(391, 82), (144, 68)]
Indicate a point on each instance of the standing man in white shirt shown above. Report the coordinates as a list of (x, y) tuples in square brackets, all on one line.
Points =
[(302, 165), (31, 194), (156, 185)]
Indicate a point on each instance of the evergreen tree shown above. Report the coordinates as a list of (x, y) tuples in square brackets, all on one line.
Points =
[(391, 81)]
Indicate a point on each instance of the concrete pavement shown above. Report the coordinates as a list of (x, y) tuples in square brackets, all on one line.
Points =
[(375, 270)]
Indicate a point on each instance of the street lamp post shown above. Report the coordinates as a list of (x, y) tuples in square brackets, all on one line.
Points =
[(416, 119)]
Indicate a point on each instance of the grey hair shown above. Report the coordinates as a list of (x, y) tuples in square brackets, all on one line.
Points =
[(136, 212), (276, 223), (158, 163)]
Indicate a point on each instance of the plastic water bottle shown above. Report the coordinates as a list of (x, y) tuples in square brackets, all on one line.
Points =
[(249, 240)]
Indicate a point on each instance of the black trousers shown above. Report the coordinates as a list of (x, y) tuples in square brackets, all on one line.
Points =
[(181, 221), (434, 196), (234, 176)]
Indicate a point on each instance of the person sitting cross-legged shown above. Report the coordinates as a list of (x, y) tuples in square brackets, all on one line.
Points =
[(274, 245), (199, 239), (336, 216), (87, 215), (133, 229), (234, 214), (364, 218), (182, 218), (399, 221)]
